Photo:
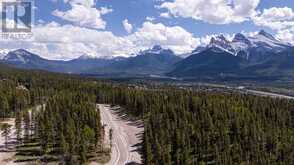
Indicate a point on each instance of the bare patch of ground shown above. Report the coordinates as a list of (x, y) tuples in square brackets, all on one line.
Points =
[(7, 155)]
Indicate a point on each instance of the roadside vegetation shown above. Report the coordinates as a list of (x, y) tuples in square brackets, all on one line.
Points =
[(181, 126), (54, 122)]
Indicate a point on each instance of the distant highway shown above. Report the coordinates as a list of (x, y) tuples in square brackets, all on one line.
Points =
[(250, 91), (273, 95)]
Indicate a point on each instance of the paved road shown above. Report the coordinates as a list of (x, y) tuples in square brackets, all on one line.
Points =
[(274, 95), (126, 134)]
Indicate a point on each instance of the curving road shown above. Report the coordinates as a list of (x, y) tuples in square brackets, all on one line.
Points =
[(125, 137)]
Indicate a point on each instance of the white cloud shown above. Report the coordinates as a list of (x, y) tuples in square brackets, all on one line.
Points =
[(212, 11), (281, 20), (105, 10), (286, 35), (205, 40), (150, 19), (128, 27), (165, 15), (84, 14), (175, 38), (86, 3), (55, 41), (275, 18)]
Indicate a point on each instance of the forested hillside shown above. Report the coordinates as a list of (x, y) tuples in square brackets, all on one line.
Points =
[(54, 120), (70, 126), (181, 126), (192, 127)]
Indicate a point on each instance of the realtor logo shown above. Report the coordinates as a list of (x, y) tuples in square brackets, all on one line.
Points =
[(17, 17)]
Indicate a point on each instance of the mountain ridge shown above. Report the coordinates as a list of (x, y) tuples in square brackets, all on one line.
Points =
[(151, 61), (257, 55)]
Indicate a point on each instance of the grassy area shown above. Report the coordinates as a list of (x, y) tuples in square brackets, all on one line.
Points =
[(30, 152)]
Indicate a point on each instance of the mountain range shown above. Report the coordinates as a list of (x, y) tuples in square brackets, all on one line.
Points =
[(152, 61), (261, 55)]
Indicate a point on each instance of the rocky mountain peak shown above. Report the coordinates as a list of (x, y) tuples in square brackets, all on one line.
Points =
[(266, 34), (241, 38), (157, 49)]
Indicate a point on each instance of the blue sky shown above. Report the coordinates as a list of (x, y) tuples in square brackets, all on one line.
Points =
[(66, 29), (136, 12)]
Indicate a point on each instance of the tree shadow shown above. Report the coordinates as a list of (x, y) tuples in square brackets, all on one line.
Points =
[(133, 163), (122, 114)]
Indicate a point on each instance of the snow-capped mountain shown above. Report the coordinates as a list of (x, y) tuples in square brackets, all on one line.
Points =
[(254, 56), (156, 60), (198, 50), (21, 56), (157, 49), (3, 53), (151, 61), (211, 62), (262, 45), (241, 43), (24, 59), (264, 39), (87, 57), (220, 42), (252, 48), (257, 55)]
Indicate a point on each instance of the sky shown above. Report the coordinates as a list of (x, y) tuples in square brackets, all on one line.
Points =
[(67, 29)]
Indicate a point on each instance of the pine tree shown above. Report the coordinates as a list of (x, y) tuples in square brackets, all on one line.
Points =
[(6, 129), (3, 106)]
